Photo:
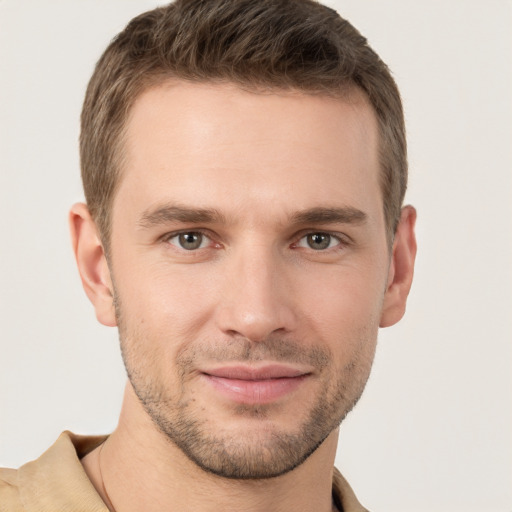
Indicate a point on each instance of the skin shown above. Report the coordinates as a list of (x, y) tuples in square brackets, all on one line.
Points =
[(292, 268)]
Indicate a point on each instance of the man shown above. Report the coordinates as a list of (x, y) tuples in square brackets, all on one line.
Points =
[(244, 166)]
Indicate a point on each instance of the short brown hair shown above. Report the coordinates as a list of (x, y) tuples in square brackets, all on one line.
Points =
[(266, 44)]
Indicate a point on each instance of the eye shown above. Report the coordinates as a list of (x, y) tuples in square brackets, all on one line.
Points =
[(318, 241), (189, 240)]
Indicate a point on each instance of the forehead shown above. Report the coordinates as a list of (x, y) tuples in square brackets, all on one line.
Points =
[(205, 142)]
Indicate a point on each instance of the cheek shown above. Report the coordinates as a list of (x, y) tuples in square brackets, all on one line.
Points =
[(344, 296), (163, 309), (166, 294), (344, 312)]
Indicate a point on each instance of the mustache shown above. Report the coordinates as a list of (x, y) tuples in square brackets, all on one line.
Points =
[(242, 350)]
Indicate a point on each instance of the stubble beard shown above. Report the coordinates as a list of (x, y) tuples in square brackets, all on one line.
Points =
[(264, 454)]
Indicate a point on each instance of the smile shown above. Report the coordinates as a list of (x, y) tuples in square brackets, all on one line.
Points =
[(262, 385)]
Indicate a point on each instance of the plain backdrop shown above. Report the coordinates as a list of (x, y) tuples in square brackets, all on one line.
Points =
[(433, 431)]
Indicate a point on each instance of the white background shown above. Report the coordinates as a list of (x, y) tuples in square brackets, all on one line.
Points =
[(433, 431)]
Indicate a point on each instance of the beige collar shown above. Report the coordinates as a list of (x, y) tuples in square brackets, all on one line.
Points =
[(56, 481)]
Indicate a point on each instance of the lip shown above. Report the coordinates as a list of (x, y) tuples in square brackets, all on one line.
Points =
[(255, 385)]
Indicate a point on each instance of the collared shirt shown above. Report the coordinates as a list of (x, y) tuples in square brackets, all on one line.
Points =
[(57, 482)]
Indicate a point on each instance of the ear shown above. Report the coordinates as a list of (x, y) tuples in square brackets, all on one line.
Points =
[(92, 264), (401, 269)]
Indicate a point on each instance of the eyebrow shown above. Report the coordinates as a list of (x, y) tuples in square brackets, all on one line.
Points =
[(170, 213), (321, 215)]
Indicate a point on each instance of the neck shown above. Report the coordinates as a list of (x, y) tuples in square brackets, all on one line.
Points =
[(138, 468)]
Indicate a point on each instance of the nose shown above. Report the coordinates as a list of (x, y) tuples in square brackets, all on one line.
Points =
[(257, 298)]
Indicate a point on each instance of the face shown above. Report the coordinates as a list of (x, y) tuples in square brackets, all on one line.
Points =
[(249, 262)]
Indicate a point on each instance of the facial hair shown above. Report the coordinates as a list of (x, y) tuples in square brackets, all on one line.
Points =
[(269, 451)]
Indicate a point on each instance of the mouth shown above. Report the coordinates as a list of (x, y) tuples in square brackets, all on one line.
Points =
[(250, 385)]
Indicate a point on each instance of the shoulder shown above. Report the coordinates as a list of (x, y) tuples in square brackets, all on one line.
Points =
[(9, 491), (54, 481)]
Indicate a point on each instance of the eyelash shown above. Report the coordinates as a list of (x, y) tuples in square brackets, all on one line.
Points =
[(343, 241)]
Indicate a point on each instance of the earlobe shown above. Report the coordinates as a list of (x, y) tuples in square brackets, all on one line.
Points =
[(92, 263), (401, 269)]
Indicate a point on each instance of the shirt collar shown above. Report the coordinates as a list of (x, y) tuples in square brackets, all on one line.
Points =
[(56, 481)]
